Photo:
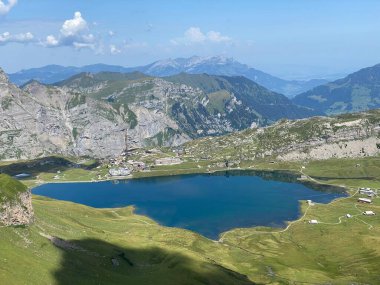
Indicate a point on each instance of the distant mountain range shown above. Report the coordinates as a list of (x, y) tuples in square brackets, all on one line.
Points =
[(218, 65), (97, 115), (356, 92)]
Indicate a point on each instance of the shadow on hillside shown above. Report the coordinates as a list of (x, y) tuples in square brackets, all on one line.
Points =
[(47, 164), (92, 261)]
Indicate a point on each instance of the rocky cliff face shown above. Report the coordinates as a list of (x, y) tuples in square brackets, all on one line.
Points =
[(15, 202), (39, 120), (338, 139), (17, 212)]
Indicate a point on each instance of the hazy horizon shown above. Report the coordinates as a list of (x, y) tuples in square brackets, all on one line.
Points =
[(296, 40)]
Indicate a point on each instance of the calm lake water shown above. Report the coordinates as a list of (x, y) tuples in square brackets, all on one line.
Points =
[(204, 203)]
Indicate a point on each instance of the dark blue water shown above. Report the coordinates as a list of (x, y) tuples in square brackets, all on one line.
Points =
[(207, 204)]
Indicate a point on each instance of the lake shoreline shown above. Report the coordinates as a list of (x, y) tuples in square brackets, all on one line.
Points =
[(267, 176)]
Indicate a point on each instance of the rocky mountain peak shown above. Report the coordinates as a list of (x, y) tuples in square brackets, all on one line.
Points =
[(32, 85), (3, 77)]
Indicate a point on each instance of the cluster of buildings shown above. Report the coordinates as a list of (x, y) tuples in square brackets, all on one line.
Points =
[(370, 193), (118, 167), (120, 171)]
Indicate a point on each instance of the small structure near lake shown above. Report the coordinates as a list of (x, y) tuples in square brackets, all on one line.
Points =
[(22, 175), (366, 191), (313, 222), (365, 200), (122, 171)]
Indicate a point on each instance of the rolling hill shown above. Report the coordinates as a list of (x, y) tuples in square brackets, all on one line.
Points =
[(358, 91)]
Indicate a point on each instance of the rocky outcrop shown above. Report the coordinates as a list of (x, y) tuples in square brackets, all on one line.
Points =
[(317, 138), (341, 149), (18, 211), (41, 120)]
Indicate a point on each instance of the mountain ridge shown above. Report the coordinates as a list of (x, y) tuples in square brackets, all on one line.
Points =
[(358, 91), (215, 65)]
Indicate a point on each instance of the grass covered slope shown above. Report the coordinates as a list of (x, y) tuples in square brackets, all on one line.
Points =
[(10, 189), (357, 92), (74, 244)]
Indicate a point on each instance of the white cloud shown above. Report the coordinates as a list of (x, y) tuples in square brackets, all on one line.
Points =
[(51, 41), (79, 45), (74, 26), (217, 37), (114, 49), (74, 32), (111, 33), (16, 38), (194, 35), (6, 6)]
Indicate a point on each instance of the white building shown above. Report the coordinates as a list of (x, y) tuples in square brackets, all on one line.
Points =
[(313, 222), (365, 200), (119, 171), (366, 191)]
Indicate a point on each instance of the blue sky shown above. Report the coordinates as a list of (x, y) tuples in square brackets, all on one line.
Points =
[(291, 39)]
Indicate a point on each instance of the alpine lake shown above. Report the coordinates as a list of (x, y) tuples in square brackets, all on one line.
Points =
[(208, 204)]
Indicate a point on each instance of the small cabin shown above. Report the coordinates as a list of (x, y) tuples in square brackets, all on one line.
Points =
[(365, 200), (313, 222), (366, 191), (22, 175)]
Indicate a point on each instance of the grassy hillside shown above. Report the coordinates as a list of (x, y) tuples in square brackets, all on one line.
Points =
[(286, 136), (357, 92), (10, 188), (73, 244), (270, 105)]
